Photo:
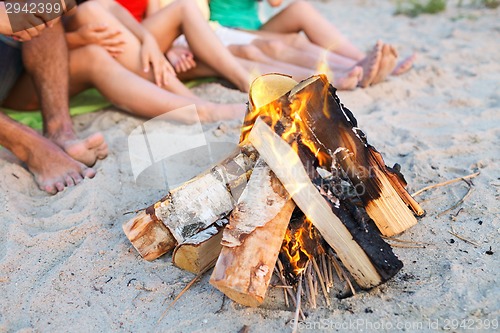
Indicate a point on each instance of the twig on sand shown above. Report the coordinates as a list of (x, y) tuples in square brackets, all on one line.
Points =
[(186, 288), (462, 237), (298, 309), (407, 246), (399, 240), (459, 202), (133, 211), (321, 281), (445, 183), (279, 271), (289, 290)]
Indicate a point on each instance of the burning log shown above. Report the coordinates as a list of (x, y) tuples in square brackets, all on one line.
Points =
[(313, 111), (198, 252), (252, 240), (192, 207), (362, 251), (311, 154)]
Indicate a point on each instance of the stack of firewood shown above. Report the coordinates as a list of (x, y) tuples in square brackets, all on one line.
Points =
[(303, 167)]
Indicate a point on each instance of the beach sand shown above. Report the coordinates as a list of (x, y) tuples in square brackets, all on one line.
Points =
[(65, 264)]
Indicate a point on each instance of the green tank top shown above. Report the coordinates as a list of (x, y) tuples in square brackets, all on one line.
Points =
[(242, 14)]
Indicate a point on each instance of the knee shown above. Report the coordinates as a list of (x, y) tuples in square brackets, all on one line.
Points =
[(250, 52), (89, 9), (187, 6)]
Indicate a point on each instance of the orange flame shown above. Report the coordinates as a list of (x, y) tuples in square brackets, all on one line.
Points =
[(290, 117), (286, 116), (300, 245)]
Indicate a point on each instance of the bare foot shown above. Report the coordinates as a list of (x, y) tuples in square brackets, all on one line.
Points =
[(53, 169), (370, 65), (404, 65), (87, 151), (218, 112), (232, 111), (387, 64), (349, 80)]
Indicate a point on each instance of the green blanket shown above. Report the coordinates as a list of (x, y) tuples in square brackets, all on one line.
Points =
[(88, 101)]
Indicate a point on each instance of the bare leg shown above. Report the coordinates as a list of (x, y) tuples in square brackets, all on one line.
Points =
[(52, 168), (93, 12), (261, 63), (302, 16), (292, 48), (303, 45), (46, 61), (127, 90), (184, 16)]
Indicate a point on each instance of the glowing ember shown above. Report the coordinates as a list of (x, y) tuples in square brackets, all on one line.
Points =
[(301, 243), (285, 112)]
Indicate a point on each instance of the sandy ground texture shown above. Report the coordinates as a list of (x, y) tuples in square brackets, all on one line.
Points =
[(65, 264)]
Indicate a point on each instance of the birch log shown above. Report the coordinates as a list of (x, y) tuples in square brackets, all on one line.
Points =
[(365, 255), (191, 207), (200, 251), (252, 240)]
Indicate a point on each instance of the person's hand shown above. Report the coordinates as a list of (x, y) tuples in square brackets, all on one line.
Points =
[(101, 34), (28, 19), (181, 58), (152, 56), (30, 33)]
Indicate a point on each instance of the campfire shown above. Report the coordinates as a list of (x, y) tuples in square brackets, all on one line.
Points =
[(305, 197)]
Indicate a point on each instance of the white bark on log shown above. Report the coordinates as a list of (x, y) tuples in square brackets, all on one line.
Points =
[(200, 202), (193, 206)]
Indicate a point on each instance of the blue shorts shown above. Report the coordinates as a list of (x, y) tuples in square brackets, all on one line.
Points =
[(11, 65)]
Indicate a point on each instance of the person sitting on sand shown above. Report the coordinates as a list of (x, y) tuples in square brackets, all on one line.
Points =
[(248, 55), (301, 17), (292, 54), (160, 30), (131, 92), (213, 58), (245, 46), (58, 158)]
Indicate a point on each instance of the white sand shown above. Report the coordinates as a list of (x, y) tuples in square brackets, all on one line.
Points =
[(65, 264)]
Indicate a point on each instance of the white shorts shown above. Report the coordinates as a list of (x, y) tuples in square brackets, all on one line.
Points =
[(226, 35)]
